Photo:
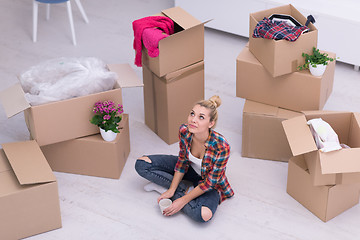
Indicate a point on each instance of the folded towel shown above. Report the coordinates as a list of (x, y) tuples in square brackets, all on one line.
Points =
[(159, 22)]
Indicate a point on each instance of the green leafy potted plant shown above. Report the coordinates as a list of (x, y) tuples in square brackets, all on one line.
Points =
[(107, 118), (316, 62)]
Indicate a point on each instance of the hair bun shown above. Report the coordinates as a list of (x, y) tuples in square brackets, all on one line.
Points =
[(215, 100)]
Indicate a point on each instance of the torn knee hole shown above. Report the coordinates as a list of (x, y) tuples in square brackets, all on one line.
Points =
[(146, 159), (206, 213)]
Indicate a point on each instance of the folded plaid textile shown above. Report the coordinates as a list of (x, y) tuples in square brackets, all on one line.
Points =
[(277, 30)]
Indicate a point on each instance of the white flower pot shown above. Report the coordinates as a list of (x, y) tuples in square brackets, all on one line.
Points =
[(318, 70), (108, 136)]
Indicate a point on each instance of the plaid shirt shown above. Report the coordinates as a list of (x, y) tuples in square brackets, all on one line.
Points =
[(213, 166), (277, 30)]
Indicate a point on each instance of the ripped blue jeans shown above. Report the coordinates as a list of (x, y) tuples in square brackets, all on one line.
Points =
[(161, 172)]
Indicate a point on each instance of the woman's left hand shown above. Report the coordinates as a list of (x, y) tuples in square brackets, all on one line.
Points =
[(176, 206)]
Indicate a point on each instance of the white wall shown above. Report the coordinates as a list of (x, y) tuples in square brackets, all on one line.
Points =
[(335, 20)]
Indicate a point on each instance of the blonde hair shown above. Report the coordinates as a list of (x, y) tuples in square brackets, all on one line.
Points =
[(212, 104)]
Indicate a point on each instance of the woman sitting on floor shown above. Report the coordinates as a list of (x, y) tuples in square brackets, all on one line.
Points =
[(195, 180)]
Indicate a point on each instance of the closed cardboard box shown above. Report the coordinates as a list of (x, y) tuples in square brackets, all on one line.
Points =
[(326, 202), (298, 91), (168, 100), (68, 119), (280, 57), (326, 168), (181, 49), (91, 155), (29, 199), (262, 133)]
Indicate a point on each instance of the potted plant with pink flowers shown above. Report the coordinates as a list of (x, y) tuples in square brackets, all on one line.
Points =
[(107, 118)]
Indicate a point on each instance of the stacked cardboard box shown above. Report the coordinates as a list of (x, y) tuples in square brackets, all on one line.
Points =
[(262, 133), (327, 183), (91, 155), (266, 73), (327, 201), (29, 199), (63, 139), (280, 101), (174, 80)]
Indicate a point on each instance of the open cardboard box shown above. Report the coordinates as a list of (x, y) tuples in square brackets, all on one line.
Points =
[(262, 133), (181, 49), (91, 155), (68, 119), (326, 202), (298, 91), (29, 199), (281, 57), (326, 168), (166, 107)]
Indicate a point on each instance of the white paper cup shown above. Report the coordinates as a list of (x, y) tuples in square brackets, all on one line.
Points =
[(164, 203)]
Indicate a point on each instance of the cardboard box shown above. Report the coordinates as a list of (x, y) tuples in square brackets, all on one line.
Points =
[(281, 57), (68, 119), (325, 166), (297, 91), (262, 133), (181, 49), (326, 202), (168, 100), (29, 199), (91, 155)]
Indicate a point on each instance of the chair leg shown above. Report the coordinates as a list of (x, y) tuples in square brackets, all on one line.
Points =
[(35, 19), (48, 11), (78, 3), (71, 22)]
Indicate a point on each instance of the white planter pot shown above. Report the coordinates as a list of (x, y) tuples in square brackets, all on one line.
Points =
[(318, 71), (108, 136)]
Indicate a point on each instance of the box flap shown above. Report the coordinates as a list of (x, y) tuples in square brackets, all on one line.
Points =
[(4, 163), (340, 161), (287, 114), (126, 75), (178, 73), (28, 162), (181, 17), (356, 120), (259, 108), (354, 131), (311, 113), (299, 135), (357, 117), (13, 100)]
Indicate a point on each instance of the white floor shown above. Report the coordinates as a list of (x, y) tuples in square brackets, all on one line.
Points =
[(98, 208)]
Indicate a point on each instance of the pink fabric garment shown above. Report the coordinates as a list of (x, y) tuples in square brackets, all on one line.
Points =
[(151, 38), (163, 23)]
